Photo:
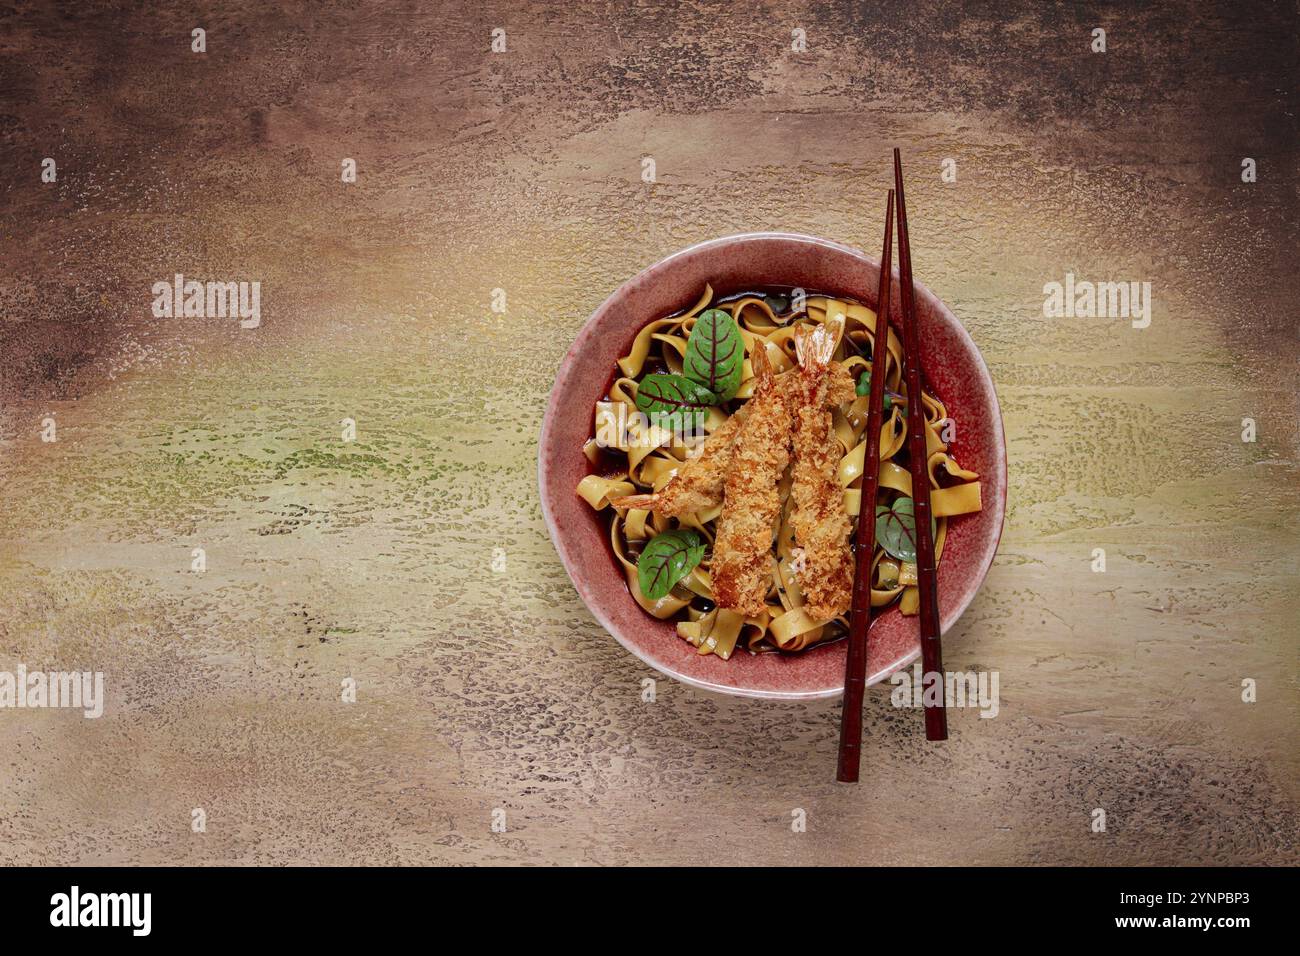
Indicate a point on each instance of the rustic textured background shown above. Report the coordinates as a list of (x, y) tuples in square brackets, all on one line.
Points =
[(521, 171)]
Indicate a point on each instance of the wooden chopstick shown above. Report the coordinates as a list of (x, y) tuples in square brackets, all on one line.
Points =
[(936, 718), (855, 666)]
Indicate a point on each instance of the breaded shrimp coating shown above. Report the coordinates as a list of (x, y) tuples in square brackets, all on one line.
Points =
[(820, 521), (742, 564), (699, 481)]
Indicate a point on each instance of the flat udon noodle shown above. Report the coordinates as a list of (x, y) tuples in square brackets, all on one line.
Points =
[(654, 456)]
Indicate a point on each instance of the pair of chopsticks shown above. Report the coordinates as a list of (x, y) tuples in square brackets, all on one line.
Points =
[(861, 616)]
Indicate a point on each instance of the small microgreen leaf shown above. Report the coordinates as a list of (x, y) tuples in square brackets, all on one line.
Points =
[(715, 354), (667, 559)]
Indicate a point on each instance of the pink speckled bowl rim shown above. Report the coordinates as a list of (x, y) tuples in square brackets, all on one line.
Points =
[(570, 561)]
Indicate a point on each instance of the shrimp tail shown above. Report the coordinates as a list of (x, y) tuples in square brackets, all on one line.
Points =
[(647, 502), (762, 369), (815, 349)]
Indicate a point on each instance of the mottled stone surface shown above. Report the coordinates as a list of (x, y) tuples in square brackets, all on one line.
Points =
[(521, 171)]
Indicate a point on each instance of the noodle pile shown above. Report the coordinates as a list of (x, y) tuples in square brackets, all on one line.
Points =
[(647, 457)]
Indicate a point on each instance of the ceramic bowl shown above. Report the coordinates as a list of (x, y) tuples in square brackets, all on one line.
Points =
[(954, 371)]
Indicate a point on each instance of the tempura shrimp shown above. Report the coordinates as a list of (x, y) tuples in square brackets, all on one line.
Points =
[(698, 483), (820, 521), (742, 568)]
